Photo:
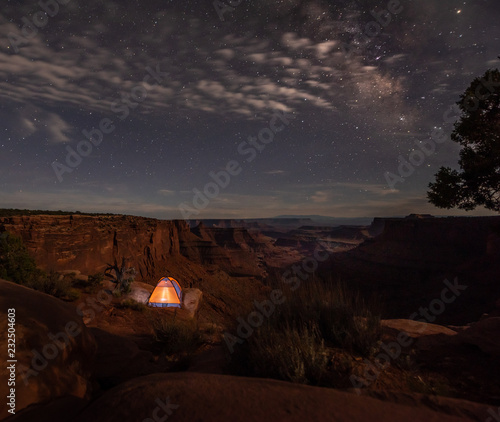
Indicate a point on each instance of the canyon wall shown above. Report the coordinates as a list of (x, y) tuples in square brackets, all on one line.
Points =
[(435, 243), (89, 243), (405, 266)]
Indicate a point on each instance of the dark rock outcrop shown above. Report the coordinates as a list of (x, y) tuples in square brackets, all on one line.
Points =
[(54, 350), (436, 243), (484, 334), (210, 397), (406, 266)]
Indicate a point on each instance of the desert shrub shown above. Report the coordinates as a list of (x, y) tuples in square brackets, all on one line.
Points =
[(346, 320), (343, 318), (126, 286), (92, 284), (407, 361), (293, 342), (437, 385), (94, 281), (72, 295), (290, 354), (132, 304), (15, 262), (18, 266), (53, 284), (176, 337)]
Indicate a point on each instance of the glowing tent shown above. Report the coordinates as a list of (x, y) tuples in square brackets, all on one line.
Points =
[(167, 293)]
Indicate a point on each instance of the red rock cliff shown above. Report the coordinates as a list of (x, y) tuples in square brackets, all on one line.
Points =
[(88, 243)]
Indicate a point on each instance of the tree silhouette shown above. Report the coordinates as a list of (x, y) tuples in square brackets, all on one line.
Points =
[(478, 132), (123, 276)]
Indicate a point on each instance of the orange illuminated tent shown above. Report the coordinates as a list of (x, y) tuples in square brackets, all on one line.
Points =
[(167, 293)]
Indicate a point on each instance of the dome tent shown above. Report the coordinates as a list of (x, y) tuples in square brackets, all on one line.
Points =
[(167, 294)]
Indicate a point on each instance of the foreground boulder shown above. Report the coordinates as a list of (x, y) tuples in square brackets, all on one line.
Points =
[(210, 397), (484, 334), (191, 301), (139, 292), (54, 350), (423, 335)]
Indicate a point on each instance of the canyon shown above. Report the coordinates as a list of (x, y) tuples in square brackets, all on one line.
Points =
[(402, 264), (403, 261)]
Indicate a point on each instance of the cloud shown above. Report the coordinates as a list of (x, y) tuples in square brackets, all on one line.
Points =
[(275, 172), (324, 48), (48, 126), (258, 57), (395, 58), (377, 189), (244, 75), (321, 197), (225, 205), (57, 129), (166, 192), (226, 53), (292, 41)]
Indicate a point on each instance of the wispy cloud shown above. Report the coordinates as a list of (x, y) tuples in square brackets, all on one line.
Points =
[(276, 172), (166, 192), (377, 189), (248, 75), (321, 197)]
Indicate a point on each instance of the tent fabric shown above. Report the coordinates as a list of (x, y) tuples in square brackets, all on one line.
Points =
[(167, 293)]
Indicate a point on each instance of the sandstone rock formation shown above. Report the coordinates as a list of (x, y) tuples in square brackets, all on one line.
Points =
[(54, 349), (119, 359), (440, 243), (210, 397), (424, 335), (89, 243), (406, 265), (191, 301), (140, 292), (484, 334)]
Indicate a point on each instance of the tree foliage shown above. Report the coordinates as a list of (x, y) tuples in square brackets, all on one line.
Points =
[(18, 266), (15, 262), (478, 133)]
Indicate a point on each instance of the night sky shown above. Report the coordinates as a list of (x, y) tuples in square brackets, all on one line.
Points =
[(282, 107)]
